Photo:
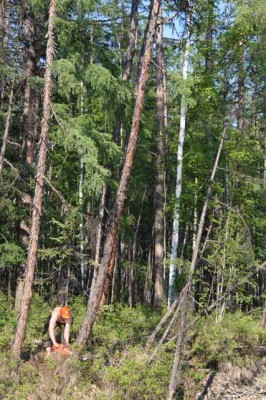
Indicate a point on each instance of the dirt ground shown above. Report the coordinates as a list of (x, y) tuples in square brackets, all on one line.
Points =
[(235, 383)]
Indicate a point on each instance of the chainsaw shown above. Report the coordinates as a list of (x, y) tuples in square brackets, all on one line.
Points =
[(62, 349)]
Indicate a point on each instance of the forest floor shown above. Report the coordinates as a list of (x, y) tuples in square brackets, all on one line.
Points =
[(236, 383), (229, 383), (42, 378)]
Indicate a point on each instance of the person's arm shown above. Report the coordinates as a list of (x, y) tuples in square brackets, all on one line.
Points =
[(52, 324), (67, 331)]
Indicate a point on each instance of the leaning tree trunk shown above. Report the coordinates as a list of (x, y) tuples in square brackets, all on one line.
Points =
[(117, 132), (159, 292), (37, 202), (112, 235)]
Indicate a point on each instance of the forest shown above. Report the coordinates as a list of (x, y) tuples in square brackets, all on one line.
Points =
[(132, 190)]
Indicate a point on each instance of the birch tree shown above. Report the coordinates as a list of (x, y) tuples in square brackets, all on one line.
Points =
[(7, 124), (178, 190)]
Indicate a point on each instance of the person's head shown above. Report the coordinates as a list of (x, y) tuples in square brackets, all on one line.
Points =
[(65, 312)]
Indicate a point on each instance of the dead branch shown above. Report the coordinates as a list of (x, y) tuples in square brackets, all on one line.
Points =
[(161, 323), (59, 194), (174, 318), (186, 291)]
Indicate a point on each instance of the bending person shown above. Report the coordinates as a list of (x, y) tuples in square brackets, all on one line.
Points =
[(58, 328)]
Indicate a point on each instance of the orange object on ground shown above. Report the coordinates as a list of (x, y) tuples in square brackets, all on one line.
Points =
[(62, 349)]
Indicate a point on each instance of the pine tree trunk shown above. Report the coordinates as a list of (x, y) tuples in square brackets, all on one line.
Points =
[(29, 125), (4, 33), (131, 278), (175, 234), (110, 247), (19, 293), (159, 292), (132, 40), (37, 203), (30, 68), (264, 169), (100, 226), (118, 128), (263, 321), (148, 281)]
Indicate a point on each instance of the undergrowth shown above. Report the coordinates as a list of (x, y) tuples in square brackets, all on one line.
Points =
[(114, 364)]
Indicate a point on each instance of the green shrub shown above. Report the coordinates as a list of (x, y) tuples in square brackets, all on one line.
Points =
[(134, 379), (219, 341), (39, 312), (7, 322), (121, 325)]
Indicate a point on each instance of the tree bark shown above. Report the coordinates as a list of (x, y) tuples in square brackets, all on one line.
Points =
[(184, 304), (148, 280), (182, 131), (110, 247), (117, 132), (7, 124), (209, 37), (241, 87), (37, 203), (4, 33), (132, 41), (263, 321), (159, 292), (29, 128), (30, 68), (161, 323)]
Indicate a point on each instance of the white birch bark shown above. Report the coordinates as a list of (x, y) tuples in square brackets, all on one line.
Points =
[(81, 223), (7, 124), (176, 222)]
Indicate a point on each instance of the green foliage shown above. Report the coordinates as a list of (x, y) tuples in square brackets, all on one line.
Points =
[(134, 379), (39, 312), (121, 325), (11, 255), (7, 322), (106, 88), (67, 82), (78, 306), (228, 339), (252, 15), (180, 87), (119, 359), (80, 140), (231, 258)]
